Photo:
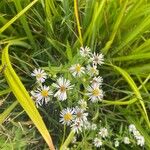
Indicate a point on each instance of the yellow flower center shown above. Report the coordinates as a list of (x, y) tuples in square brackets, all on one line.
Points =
[(78, 68), (39, 75), (67, 116), (96, 92), (62, 88), (44, 93)]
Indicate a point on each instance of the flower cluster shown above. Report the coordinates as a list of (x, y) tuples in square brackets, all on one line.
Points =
[(79, 92), (101, 137), (42, 94), (139, 138), (126, 140)]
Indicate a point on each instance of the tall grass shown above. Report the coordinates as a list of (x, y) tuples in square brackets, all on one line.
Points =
[(52, 32)]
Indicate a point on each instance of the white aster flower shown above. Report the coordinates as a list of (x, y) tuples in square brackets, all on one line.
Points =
[(67, 116), (83, 104), (40, 75), (116, 143), (77, 70), (85, 51), (80, 115), (93, 126), (126, 140), (74, 140), (132, 128), (87, 125), (95, 93), (97, 81), (97, 59), (92, 70), (103, 132), (77, 126), (97, 142), (140, 141), (63, 85), (136, 134), (41, 95)]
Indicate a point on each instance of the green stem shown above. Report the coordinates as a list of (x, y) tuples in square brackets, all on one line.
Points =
[(119, 102), (78, 22), (68, 140)]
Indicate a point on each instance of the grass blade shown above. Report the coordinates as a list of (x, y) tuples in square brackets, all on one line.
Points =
[(2, 29), (78, 22), (25, 23), (134, 88), (4, 115), (5, 92), (23, 97), (115, 29)]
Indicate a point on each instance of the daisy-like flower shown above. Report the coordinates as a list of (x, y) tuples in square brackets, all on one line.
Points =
[(126, 140), (77, 70), (80, 115), (140, 141), (85, 51), (63, 85), (97, 59), (93, 126), (116, 143), (83, 104), (132, 128), (97, 81), (97, 142), (95, 93), (136, 134), (103, 132), (87, 125), (67, 116), (40, 75), (92, 70), (77, 126), (42, 94)]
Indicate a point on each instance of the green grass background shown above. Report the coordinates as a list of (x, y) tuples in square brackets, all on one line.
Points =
[(50, 32)]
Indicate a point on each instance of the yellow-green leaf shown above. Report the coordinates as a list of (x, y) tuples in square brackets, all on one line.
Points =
[(135, 90), (23, 97)]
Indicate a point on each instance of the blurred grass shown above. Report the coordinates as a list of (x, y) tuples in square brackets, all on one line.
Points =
[(120, 29)]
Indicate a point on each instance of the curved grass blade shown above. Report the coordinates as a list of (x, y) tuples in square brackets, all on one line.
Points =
[(2, 29), (24, 23), (23, 97), (68, 140), (129, 102), (115, 29), (78, 22), (135, 90), (4, 115), (3, 92)]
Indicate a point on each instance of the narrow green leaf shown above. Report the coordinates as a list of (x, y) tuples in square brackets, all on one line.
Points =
[(2, 29), (78, 21), (5, 91), (133, 57), (6, 113), (115, 29), (134, 88), (23, 97), (69, 52), (25, 23), (68, 140)]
